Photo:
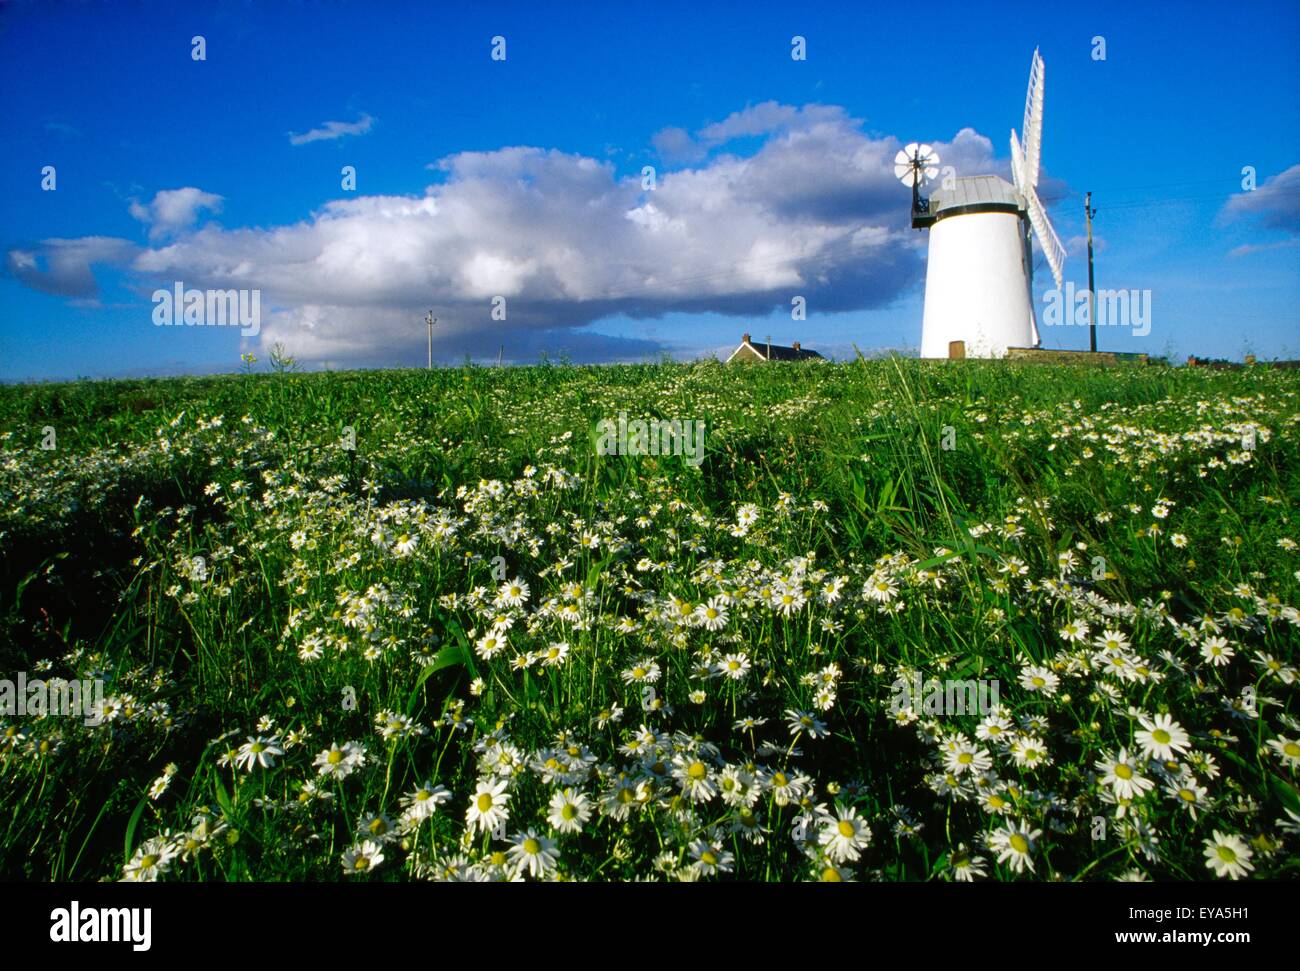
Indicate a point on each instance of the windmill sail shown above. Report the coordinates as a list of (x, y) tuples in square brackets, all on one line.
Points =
[(1047, 237), (1033, 126), (1025, 160)]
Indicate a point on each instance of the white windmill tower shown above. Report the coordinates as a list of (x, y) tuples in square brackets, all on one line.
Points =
[(979, 277)]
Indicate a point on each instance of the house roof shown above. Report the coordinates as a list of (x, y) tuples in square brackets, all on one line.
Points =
[(779, 352)]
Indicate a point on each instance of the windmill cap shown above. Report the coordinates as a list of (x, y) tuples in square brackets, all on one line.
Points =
[(978, 193)]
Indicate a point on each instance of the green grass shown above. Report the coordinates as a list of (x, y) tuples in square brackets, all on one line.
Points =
[(961, 484)]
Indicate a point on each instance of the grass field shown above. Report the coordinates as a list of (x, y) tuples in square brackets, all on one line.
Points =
[(471, 647)]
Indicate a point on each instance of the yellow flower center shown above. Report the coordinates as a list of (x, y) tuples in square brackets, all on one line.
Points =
[(846, 829), (1019, 843)]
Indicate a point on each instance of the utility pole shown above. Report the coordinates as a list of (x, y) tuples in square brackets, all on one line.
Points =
[(769, 347), (430, 319), (1088, 213)]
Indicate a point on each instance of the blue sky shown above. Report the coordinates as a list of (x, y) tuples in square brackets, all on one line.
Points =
[(522, 178)]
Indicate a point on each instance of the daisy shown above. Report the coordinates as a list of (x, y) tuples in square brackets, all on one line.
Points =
[(1188, 794), (488, 809), (964, 865), (363, 858), (1111, 641), (880, 588), (160, 785), (803, 721), (424, 802), (994, 728), (554, 655), (334, 762), (512, 594), (149, 862), (1030, 752), (490, 644), (844, 835), (570, 811), (1217, 651), (257, 751), (710, 858), (1015, 845), (733, 666), (712, 616), (643, 672), (1035, 678), (788, 600), (1288, 750), (536, 854), (1123, 776), (1228, 855), (1075, 631), (377, 827), (965, 757), (1161, 737), (694, 778), (786, 789)]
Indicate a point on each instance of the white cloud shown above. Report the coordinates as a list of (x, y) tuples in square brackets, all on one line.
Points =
[(814, 212), (1276, 202), (332, 130), (174, 210)]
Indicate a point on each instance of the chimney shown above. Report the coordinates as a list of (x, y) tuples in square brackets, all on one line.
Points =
[(796, 345), (744, 338)]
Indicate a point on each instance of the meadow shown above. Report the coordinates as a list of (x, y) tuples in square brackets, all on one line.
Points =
[(412, 625)]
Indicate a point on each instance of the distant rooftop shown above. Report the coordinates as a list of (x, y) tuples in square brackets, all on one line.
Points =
[(763, 351)]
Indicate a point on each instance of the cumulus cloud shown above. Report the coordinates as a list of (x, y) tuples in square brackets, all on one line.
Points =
[(63, 266), (173, 210), (332, 130), (1276, 203), (563, 240)]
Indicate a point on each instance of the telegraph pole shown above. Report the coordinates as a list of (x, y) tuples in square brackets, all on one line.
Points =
[(1088, 213), (430, 319)]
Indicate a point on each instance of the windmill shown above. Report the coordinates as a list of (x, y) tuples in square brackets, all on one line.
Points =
[(979, 274)]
